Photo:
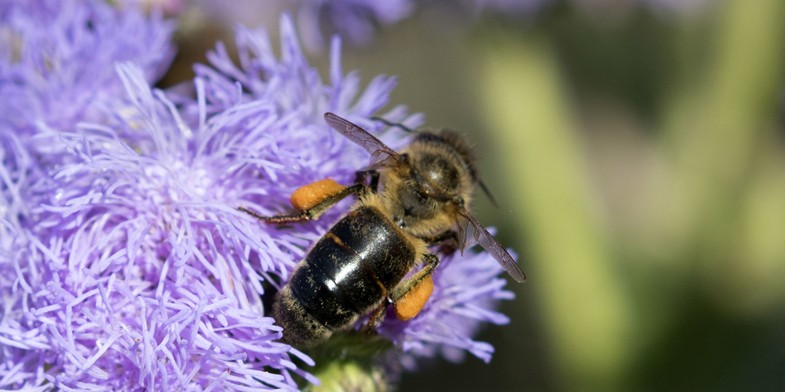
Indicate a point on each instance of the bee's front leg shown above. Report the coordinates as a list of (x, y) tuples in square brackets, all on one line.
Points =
[(312, 200), (361, 177)]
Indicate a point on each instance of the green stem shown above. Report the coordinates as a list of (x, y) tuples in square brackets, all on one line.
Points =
[(585, 306)]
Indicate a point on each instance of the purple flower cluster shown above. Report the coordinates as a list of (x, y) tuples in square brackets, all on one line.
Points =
[(354, 20), (124, 263), (56, 62)]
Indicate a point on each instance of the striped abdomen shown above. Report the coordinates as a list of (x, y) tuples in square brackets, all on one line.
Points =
[(348, 272)]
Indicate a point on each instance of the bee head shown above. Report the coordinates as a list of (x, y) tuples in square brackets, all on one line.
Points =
[(441, 168)]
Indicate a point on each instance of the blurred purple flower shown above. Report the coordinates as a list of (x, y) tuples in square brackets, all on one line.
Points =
[(356, 21), (56, 61), (126, 265)]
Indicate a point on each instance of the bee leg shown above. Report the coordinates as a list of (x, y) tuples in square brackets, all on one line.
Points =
[(447, 235), (431, 261), (448, 241), (377, 316), (313, 212), (410, 296), (362, 175)]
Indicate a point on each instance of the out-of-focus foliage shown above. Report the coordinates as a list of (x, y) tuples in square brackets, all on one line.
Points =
[(638, 158)]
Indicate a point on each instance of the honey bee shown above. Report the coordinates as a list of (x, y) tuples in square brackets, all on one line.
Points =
[(407, 203)]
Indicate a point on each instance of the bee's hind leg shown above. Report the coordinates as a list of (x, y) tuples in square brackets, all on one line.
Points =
[(408, 297), (411, 295), (376, 317)]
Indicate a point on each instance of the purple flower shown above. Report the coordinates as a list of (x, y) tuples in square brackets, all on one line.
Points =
[(118, 271), (124, 263), (466, 287), (306, 149), (136, 271), (57, 63)]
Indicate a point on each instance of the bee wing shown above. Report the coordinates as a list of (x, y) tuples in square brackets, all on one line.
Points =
[(381, 155), (486, 240)]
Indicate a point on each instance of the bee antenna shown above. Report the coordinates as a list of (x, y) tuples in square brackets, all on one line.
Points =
[(392, 124), (488, 193)]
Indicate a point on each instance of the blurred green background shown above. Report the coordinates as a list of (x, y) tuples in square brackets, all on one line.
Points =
[(638, 158)]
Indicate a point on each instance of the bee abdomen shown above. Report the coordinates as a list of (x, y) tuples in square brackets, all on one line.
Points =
[(300, 328), (352, 268)]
